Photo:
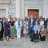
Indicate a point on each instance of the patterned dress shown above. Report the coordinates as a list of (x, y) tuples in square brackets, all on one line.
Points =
[(13, 31), (7, 28)]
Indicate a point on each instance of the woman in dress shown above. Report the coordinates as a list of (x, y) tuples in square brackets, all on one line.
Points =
[(18, 28), (7, 29)]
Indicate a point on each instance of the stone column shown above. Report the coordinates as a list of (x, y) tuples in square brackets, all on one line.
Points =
[(45, 8), (22, 7), (18, 2)]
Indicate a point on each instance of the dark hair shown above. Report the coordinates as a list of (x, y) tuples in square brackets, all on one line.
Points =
[(12, 23)]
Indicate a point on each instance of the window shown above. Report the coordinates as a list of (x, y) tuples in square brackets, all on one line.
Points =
[(2, 12)]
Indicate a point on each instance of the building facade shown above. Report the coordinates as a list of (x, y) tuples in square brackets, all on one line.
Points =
[(20, 7)]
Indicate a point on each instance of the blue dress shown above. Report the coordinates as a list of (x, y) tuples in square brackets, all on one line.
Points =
[(18, 29)]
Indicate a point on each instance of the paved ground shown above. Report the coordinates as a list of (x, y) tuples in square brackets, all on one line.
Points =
[(23, 43)]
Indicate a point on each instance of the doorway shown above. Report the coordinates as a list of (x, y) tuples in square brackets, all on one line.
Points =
[(33, 12)]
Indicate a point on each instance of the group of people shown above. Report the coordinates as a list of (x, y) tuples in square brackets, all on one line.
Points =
[(29, 26), (38, 28)]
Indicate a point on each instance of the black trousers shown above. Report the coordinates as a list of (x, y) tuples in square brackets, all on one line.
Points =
[(1, 32), (1, 35), (34, 36)]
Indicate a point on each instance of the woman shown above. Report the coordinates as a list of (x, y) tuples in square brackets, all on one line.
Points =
[(41, 24), (18, 28), (7, 29), (13, 29), (25, 30), (43, 31)]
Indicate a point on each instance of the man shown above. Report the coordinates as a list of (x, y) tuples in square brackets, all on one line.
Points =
[(1, 29)]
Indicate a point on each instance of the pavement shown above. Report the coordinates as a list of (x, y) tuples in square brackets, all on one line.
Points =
[(23, 43)]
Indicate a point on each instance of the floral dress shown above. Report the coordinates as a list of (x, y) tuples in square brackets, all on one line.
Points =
[(13, 31)]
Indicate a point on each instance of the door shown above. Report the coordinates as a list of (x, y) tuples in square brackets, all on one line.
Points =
[(33, 12)]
